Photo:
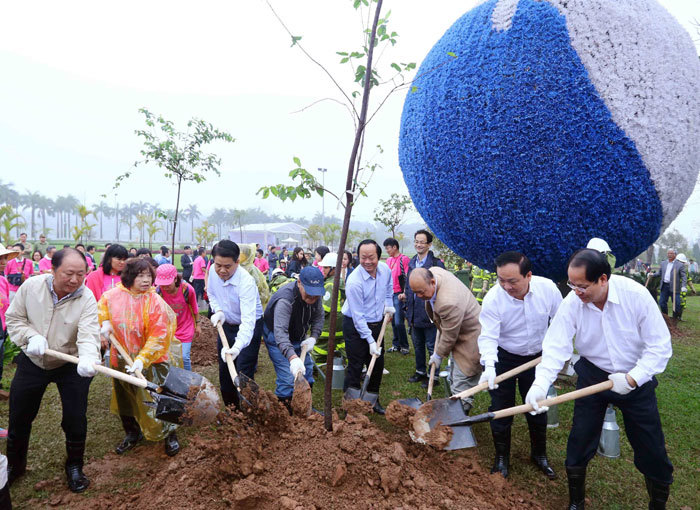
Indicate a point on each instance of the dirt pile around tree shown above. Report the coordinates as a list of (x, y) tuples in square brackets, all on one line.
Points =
[(204, 352), (241, 464)]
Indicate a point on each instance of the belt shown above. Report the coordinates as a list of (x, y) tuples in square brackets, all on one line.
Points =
[(378, 323)]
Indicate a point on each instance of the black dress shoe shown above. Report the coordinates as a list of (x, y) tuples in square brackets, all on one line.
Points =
[(378, 408), (543, 465), (417, 378), (131, 439), (172, 445)]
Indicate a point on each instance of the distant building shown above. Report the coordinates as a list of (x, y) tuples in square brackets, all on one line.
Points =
[(280, 234)]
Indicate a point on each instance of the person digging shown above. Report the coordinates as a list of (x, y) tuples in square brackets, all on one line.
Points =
[(292, 311)]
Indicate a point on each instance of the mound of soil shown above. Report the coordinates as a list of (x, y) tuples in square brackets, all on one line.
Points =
[(673, 327), (204, 351), (243, 464)]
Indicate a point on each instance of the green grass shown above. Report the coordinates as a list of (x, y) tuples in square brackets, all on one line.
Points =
[(611, 483)]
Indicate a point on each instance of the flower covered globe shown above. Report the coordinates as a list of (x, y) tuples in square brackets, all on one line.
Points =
[(535, 125)]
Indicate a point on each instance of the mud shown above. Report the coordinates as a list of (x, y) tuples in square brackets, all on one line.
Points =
[(204, 352), (439, 436), (400, 415), (357, 406), (301, 398), (243, 464)]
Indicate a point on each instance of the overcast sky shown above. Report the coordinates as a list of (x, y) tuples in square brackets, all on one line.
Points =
[(75, 73)]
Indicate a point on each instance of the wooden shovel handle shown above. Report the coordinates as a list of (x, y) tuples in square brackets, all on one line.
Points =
[(229, 359), (124, 354), (116, 374), (573, 395), (505, 375), (379, 345), (431, 380), (304, 350)]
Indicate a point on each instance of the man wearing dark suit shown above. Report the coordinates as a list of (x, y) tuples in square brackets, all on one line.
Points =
[(674, 278), (186, 261)]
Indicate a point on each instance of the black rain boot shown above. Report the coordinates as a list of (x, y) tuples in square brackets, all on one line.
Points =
[(538, 449), (377, 408), (172, 445), (5, 502), (133, 434), (501, 442), (287, 401), (16, 458), (77, 481), (576, 476), (658, 494)]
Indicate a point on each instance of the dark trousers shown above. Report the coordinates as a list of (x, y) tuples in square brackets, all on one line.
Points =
[(2, 352), (665, 295), (642, 424), (504, 396), (423, 338), (28, 388), (246, 362), (398, 324), (357, 350), (198, 286)]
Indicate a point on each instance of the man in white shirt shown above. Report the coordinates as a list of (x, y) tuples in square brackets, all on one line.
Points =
[(514, 318), (235, 301), (621, 336), (674, 278)]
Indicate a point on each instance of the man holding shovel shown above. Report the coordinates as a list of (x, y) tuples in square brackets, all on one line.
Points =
[(53, 311), (455, 312), (369, 295), (514, 318), (622, 337), (294, 309)]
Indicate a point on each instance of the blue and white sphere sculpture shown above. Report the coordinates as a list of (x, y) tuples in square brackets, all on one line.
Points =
[(556, 122)]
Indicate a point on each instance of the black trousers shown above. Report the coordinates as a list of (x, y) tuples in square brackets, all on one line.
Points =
[(28, 388), (246, 362), (357, 350), (504, 396), (198, 286), (642, 424)]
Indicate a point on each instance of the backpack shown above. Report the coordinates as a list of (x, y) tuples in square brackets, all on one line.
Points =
[(186, 294)]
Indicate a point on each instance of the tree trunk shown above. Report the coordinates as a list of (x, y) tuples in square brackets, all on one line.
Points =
[(354, 155)]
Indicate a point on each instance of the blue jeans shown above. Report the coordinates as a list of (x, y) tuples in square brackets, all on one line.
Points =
[(422, 338), (665, 295), (400, 340), (285, 380), (186, 348)]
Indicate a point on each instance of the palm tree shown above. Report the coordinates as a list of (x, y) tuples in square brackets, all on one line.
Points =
[(46, 206), (218, 218), (103, 209), (193, 213), (31, 200), (9, 220), (237, 217)]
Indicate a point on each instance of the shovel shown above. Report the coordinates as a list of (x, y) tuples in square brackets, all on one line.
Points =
[(241, 381), (353, 393), (124, 354), (301, 398), (176, 401), (415, 402)]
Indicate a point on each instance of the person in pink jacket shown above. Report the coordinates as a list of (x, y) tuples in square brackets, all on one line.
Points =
[(45, 262), (5, 256), (18, 270), (106, 277)]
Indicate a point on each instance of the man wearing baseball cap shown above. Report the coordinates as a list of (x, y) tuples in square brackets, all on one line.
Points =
[(292, 311)]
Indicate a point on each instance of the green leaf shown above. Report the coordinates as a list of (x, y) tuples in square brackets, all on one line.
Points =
[(274, 190), (297, 161), (452, 54), (396, 66), (414, 89), (342, 53), (295, 39)]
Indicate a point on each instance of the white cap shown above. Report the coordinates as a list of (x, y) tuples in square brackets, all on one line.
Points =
[(277, 270), (682, 258), (330, 260), (598, 244)]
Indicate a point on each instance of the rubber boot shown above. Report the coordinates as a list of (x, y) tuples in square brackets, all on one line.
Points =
[(576, 476), (172, 445), (16, 458), (133, 434), (658, 494), (538, 449), (501, 442), (287, 401), (77, 481), (5, 501)]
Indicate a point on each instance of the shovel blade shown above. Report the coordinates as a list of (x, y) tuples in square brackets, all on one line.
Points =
[(249, 390), (352, 394), (414, 402), (442, 412), (201, 409), (179, 382), (301, 398), (370, 397)]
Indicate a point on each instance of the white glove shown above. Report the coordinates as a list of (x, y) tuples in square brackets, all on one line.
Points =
[(435, 359), (86, 367), (374, 350), (106, 329), (37, 345), (217, 318), (389, 310), (533, 396), (296, 366), (489, 375), (684, 289), (137, 366), (309, 342), (620, 384), (233, 351)]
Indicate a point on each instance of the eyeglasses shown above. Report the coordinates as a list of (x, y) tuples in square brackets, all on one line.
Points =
[(577, 289)]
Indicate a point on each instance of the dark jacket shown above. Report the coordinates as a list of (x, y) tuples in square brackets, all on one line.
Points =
[(415, 307), (289, 317), (186, 262), (294, 267)]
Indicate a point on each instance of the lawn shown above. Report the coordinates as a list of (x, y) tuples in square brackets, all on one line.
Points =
[(612, 483)]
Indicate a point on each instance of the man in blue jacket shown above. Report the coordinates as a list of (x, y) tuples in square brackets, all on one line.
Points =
[(423, 331)]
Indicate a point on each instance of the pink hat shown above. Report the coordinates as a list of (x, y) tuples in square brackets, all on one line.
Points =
[(166, 274)]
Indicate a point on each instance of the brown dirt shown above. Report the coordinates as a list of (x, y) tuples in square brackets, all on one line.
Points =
[(439, 437), (357, 406), (245, 465), (400, 415), (673, 327), (204, 352), (301, 398)]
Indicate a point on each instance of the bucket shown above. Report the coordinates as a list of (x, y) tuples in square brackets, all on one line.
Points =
[(338, 372), (609, 445), (553, 412)]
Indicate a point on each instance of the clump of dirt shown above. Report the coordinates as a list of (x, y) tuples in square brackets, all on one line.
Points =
[(242, 464), (204, 352), (400, 415), (673, 327), (439, 436), (301, 398), (357, 406), (267, 411)]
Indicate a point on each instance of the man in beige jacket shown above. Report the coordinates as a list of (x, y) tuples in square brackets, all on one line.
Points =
[(53, 311), (455, 312)]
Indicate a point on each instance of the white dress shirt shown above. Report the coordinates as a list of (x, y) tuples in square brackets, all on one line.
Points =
[(367, 296), (239, 299), (669, 270), (628, 335), (517, 325)]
